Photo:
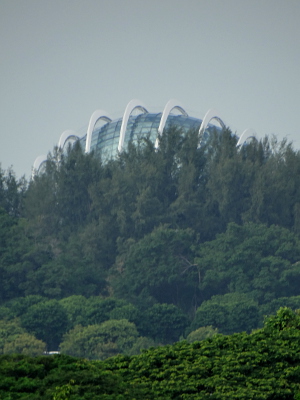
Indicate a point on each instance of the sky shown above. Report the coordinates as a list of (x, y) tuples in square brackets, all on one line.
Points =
[(63, 59)]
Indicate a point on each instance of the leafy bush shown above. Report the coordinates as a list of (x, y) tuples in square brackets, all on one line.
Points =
[(100, 341), (233, 312), (47, 321), (202, 333)]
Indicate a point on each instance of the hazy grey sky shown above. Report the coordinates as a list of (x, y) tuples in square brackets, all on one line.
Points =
[(62, 59)]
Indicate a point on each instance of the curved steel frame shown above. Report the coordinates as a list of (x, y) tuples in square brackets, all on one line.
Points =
[(65, 136), (210, 115), (37, 164), (131, 106), (171, 104), (95, 117), (247, 134)]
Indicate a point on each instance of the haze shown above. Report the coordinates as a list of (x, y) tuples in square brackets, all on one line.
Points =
[(62, 59)]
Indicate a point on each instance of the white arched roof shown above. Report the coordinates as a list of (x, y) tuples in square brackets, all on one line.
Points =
[(247, 134), (132, 105), (65, 136), (171, 104), (210, 115), (38, 163), (95, 117)]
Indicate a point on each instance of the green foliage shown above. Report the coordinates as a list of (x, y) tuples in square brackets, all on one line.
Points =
[(142, 343), (284, 319), (158, 268), (19, 305), (251, 258), (164, 323), (162, 230), (128, 311), (95, 310), (24, 344), (14, 246), (12, 192), (9, 330), (4, 312), (262, 365), (14, 339), (64, 392), (98, 309), (100, 341), (233, 312), (202, 333), (61, 377), (270, 308), (73, 272), (75, 307), (47, 321), (67, 207)]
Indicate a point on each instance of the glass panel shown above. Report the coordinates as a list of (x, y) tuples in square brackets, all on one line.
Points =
[(106, 137)]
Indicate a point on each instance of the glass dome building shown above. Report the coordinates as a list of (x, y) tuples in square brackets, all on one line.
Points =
[(107, 137)]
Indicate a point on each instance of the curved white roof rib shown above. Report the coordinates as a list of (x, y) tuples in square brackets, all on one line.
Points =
[(211, 114), (37, 164), (95, 117), (247, 134), (171, 104), (131, 106), (65, 136)]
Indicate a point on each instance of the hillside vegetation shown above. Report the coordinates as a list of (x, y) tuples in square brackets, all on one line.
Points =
[(100, 259), (262, 365)]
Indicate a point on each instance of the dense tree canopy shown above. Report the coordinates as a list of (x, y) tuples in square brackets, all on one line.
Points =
[(172, 240), (251, 258), (261, 365)]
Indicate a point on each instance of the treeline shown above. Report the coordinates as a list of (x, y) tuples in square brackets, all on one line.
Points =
[(261, 365), (156, 245)]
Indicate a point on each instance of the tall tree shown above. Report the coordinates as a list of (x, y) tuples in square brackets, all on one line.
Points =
[(160, 268), (253, 259), (47, 321), (12, 192)]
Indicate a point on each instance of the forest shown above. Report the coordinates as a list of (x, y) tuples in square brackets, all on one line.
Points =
[(262, 365), (159, 246)]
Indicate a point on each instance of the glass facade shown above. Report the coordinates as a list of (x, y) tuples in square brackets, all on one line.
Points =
[(105, 139)]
